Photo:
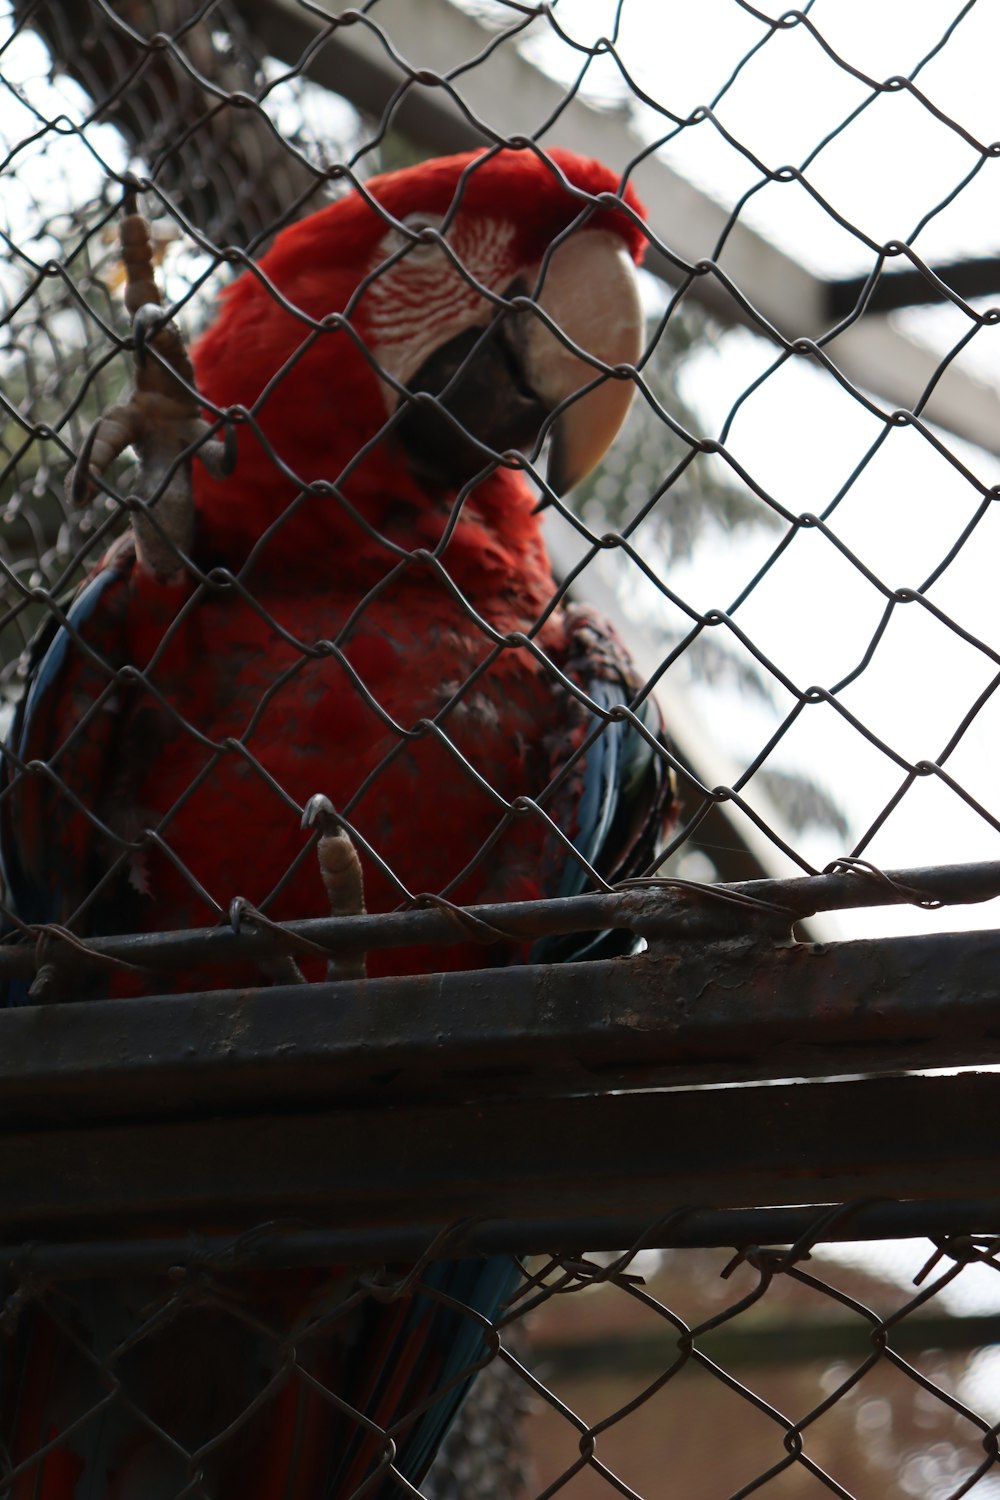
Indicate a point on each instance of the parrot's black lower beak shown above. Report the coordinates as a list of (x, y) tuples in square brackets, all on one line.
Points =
[(483, 407), (564, 358)]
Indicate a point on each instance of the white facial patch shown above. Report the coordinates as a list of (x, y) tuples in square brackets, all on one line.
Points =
[(423, 300)]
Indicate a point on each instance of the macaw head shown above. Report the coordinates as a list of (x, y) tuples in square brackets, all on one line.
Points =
[(392, 345)]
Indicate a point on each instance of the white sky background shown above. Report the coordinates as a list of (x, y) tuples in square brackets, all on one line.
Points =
[(800, 435)]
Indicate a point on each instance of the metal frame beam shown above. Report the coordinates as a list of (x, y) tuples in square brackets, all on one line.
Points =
[(516, 1094), (637, 1154), (662, 911), (682, 1013), (966, 1224)]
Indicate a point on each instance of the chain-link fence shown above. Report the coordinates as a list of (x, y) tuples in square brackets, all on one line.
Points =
[(814, 1366), (405, 601)]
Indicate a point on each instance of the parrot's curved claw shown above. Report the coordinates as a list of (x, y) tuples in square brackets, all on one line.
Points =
[(217, 455), (107, 439), (230, 451), (80, 483), (46, 986), (148, 321), (281, 969), (131, 188), (319, 813)]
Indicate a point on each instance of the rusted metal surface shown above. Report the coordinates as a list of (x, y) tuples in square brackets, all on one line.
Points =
[(664, 910), (729, 1011)]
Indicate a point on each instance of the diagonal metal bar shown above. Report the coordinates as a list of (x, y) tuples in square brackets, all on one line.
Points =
[(785, 1344), (976, 276)]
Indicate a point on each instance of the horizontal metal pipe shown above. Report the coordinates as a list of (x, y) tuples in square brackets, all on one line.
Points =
[(679, 1014), (671, 909), (694, 1228)]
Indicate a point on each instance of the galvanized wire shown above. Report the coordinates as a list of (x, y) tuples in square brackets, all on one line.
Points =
[(799, 1350), (201, 113), (228, 145)]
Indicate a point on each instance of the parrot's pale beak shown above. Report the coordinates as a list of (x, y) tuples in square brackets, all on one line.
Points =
[(497, 385), (591, 294)]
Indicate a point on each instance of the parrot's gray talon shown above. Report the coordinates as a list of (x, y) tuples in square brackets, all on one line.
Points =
[(81, 480), (281, 970), (230, 452), (132, 187), (45, 986), (146, 324), (319, 813)]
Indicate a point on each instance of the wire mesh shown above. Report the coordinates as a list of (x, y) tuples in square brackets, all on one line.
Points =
[(818, 1366), (231, 145), (382, 650)]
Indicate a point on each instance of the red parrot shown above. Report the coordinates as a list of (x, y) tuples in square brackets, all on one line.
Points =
[(360, 607)]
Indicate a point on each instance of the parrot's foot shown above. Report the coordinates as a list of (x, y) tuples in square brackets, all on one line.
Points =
[(161, 419), (47, 986), (340, 869), (281, 969)]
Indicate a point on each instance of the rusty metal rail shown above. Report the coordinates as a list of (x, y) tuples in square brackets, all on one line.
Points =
[(274, 1245), (728, 1012), (616, 1156), (666, 910), (517, 1094)]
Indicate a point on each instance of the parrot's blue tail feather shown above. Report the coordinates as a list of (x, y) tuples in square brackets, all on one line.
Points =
[(441, 1340)]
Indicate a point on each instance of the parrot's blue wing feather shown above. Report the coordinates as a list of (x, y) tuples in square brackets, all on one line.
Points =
[(619, 805), (600, 792), (484, 1287), (47, 843), (24, 873)]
